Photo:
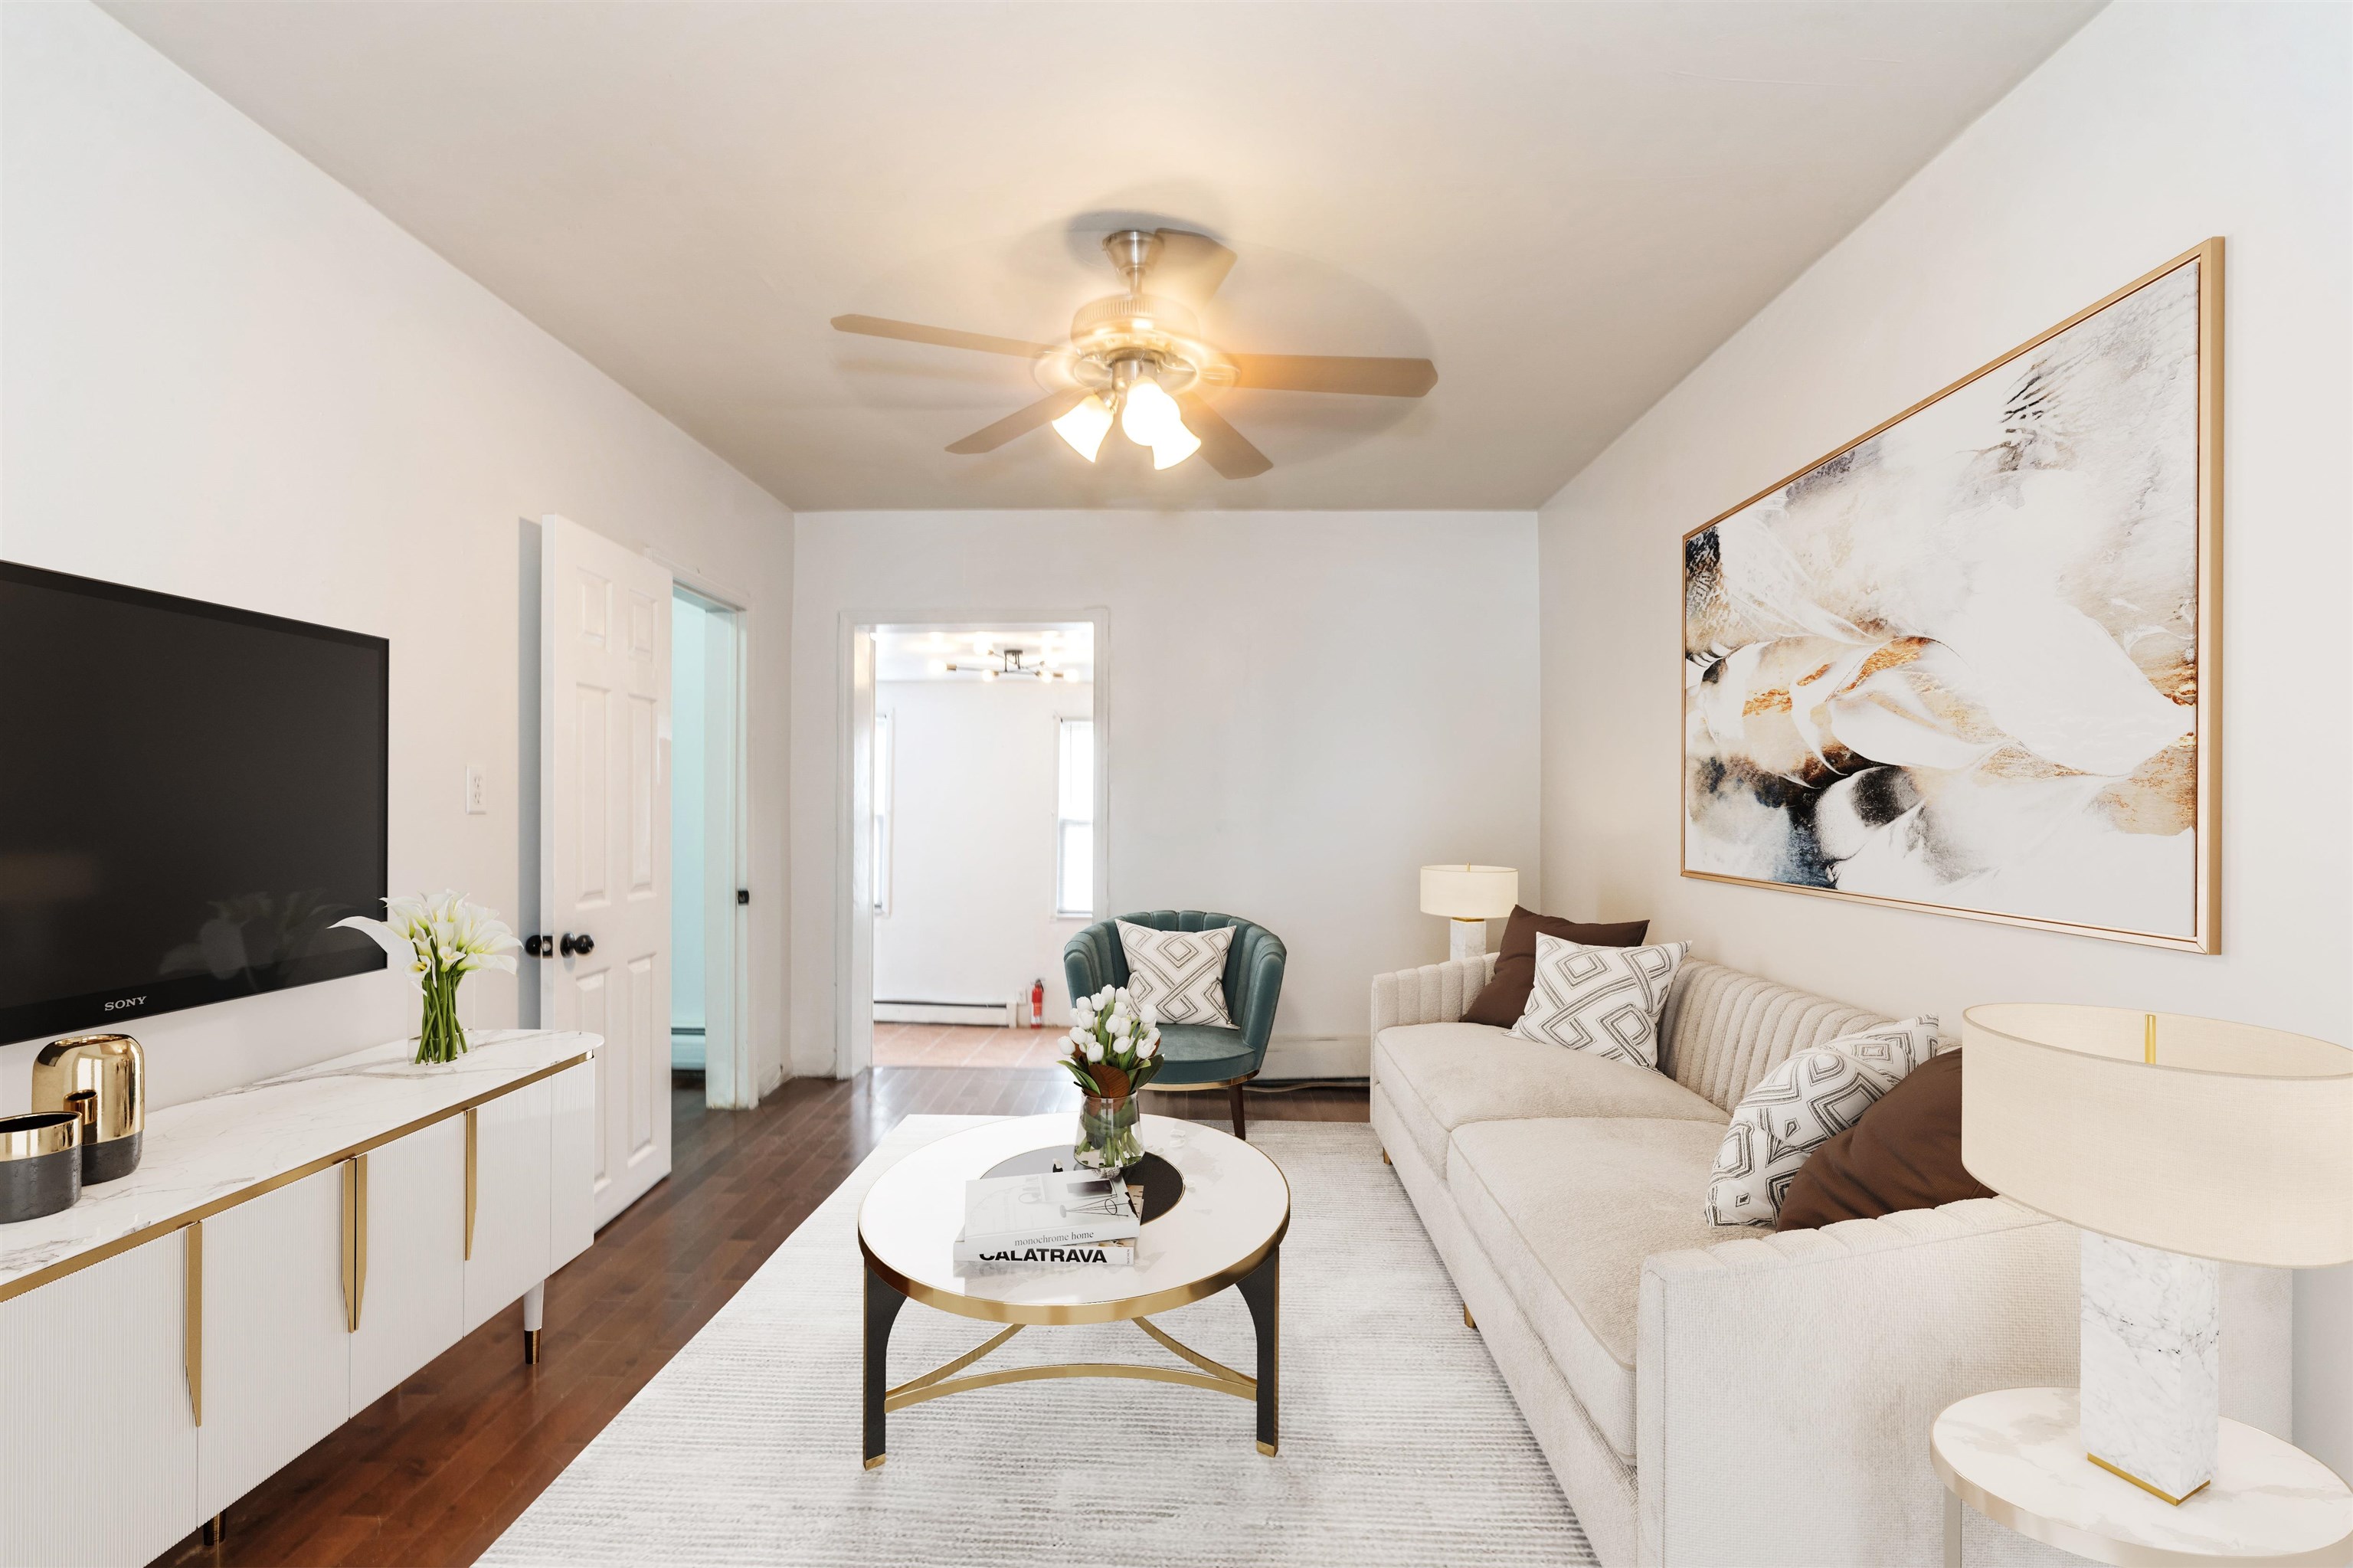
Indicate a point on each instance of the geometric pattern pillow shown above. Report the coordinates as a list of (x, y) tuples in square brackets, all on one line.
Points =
[(1180, 973), (1602, 1000), (1802, 1105)]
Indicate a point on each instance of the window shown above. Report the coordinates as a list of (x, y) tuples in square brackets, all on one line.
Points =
[(1074, 830), (878, 828)]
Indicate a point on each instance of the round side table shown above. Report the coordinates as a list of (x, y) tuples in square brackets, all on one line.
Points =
[(2017, 1456)]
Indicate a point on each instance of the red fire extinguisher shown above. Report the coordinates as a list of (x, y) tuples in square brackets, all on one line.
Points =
[(1037, 1004)]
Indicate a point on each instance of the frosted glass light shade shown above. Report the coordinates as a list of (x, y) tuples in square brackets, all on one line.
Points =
[(1149, 414), (1085, 426), (1469, 892), (1174, 447), (2236, 1143)]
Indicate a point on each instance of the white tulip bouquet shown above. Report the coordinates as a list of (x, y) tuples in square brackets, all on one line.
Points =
[(1115, 1051), (438, 942)]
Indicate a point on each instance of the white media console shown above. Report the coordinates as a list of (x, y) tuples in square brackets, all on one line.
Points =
[(284, 1256)]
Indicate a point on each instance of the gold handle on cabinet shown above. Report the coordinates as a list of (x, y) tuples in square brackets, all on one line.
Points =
[(191, 1321), (355, 1240)]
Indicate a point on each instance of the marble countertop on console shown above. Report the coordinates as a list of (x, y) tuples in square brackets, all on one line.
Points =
[(196, 1153)]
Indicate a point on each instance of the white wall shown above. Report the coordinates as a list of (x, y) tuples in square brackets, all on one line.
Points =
[(2155, 127), (1303, 709), (228, 377), (974, 796)]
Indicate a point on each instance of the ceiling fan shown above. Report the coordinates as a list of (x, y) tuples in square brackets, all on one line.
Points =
[(1138, 358)]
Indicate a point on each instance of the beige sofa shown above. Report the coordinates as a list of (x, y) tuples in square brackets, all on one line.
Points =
[(1713, 1395)]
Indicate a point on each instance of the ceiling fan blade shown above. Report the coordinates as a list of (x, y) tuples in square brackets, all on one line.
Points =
[(945, 337), (1334, 373), (1020, 422), (1223, 447), (1191, 266)]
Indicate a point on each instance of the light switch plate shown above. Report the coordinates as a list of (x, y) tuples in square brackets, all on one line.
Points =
[(478, 790)]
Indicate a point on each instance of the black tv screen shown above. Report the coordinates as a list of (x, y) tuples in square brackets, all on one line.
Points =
[(190, 796)]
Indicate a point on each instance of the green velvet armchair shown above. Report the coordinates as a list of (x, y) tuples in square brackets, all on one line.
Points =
[(1199, 1055)]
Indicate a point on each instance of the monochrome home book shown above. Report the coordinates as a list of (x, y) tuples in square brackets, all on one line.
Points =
[(1050, 1217), (1965, 662)]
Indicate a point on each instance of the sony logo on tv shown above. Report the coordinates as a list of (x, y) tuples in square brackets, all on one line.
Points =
[(126, 1001)]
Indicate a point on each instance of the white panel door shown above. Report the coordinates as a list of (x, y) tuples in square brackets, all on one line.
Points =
[(413, 1301), (277, 1357), (604, 837), (510, 1200), (97, 1443)]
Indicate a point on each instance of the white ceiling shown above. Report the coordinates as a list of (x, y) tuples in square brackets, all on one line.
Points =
[(1565, 205)]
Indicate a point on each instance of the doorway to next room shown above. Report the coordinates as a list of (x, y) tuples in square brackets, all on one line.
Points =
[(982, 839), (708, 901)]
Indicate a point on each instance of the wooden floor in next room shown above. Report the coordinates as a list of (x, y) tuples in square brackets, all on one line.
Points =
[(433, 1472)]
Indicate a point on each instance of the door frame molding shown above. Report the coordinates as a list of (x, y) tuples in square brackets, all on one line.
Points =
[(853, 985), (742, 1092)]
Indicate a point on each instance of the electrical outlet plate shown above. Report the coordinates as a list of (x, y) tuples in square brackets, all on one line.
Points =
[(478, 790)]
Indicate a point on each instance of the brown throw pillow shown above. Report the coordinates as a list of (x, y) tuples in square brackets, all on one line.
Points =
[(1501, 1000), (1905, 1153)]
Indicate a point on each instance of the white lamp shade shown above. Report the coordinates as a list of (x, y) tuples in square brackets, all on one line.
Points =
[(2236, 1143), (1469, 892)]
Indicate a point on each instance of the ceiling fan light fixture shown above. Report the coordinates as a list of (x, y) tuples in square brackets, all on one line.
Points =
[(1175, 447), (1149, 414), (1085, 426)]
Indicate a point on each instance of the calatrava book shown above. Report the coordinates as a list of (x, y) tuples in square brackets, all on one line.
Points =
[(1052, 1217)]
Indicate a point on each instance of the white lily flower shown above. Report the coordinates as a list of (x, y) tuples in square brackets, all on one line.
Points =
[(396, 944)]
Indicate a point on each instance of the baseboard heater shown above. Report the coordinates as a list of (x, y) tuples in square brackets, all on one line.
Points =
[(987, 1014)]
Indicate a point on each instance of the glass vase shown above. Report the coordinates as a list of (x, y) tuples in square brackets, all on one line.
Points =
[(1108, 1136), (440, 1037)]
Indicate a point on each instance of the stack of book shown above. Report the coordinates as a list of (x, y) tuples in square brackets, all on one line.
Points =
[(1056, 1217)]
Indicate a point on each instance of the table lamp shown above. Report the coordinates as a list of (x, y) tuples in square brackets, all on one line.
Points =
[(2173, 1142), (1468, 896)]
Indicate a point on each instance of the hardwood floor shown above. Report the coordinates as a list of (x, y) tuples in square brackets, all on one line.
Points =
[(435, 1471)]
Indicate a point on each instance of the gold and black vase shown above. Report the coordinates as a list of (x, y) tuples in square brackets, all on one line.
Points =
[(40, 1171), (102, 1080)]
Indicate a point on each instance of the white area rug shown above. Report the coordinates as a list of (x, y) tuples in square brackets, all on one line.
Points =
[(1399, 1443)]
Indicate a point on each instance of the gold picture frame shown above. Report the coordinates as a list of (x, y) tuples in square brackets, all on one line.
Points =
[(2204, 935)]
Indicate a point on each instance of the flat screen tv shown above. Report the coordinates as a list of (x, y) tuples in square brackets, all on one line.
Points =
[(190, 796)]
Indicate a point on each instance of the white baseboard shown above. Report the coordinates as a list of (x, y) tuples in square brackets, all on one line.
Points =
[(1318, 1056), (982, 1016)]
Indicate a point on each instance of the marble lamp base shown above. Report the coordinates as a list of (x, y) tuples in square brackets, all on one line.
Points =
[(2151, 1395), (1466, 939)]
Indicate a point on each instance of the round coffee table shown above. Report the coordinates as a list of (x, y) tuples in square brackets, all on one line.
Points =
[(1226, 1229)]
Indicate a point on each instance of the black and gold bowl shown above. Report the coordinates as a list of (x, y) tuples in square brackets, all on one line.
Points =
[(40, 1164)]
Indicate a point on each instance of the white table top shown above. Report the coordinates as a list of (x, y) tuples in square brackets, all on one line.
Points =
[(2017, 1456), (1236, 1207), (196, 1154)]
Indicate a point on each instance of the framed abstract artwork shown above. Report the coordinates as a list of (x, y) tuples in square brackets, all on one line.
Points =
[(1966, 663)]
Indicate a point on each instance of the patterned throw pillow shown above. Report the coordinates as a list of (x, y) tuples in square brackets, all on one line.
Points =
[(1180, 973), (1802, 1105), (1603, 1000)]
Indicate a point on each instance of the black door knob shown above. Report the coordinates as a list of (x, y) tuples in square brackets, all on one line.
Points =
[(583, 944), (539, 945)]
